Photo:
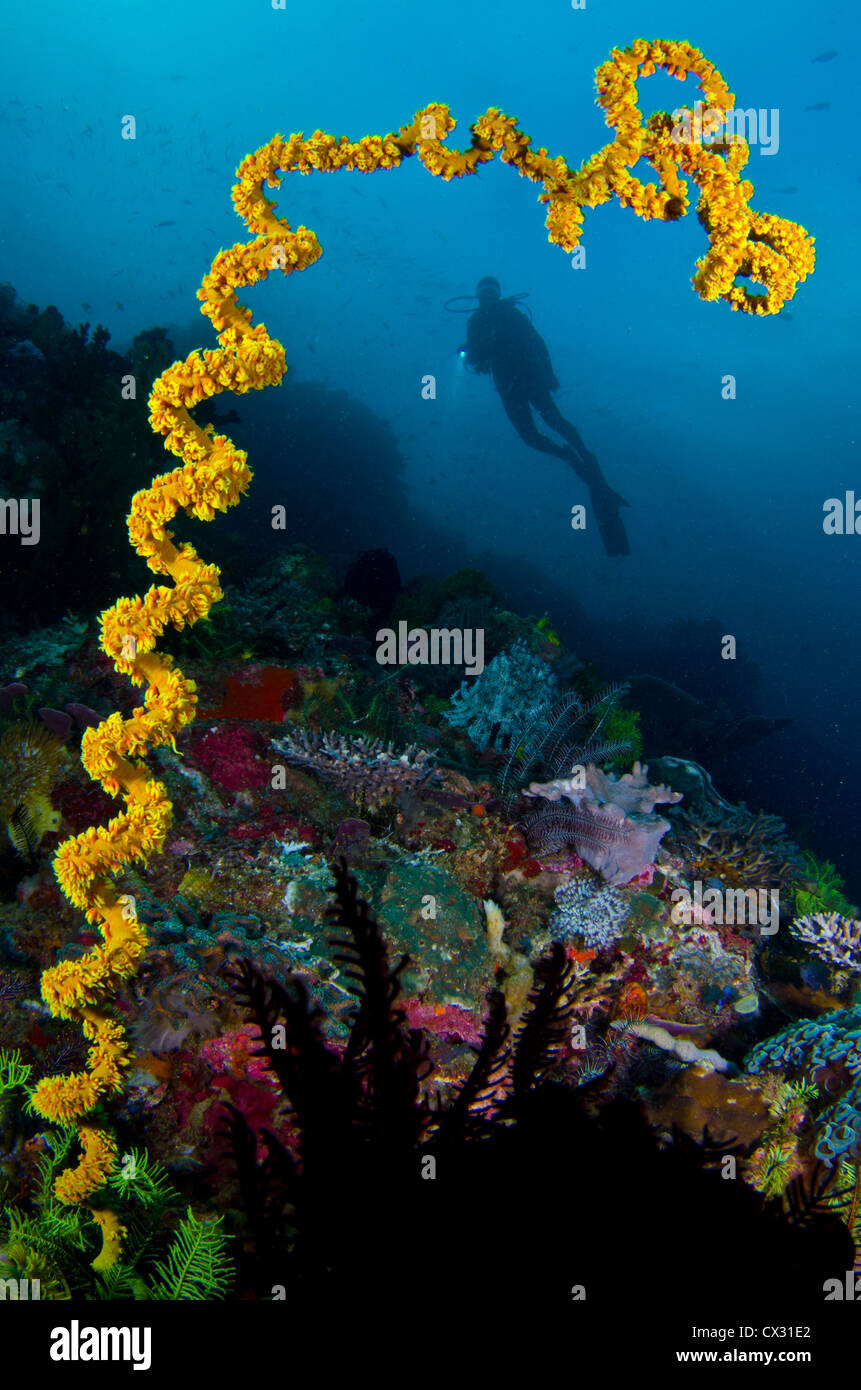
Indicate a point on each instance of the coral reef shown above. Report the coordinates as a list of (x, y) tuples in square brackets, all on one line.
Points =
[(366, 770), (442, 872), (31, 759), (833, 938), (608, 820), (514, 687), (682, 1048), (598, 916), (742, 849), (825, 1052)]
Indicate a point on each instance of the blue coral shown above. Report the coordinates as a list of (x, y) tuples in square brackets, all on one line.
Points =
[(514, 688), (833, 1041)]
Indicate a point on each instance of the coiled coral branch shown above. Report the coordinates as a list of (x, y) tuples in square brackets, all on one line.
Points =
[(213, 477), (214, 474)]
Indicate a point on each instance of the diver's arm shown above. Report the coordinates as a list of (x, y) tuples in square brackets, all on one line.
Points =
[(476, 348)]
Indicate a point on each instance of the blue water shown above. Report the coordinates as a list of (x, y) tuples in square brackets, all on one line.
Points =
[(726, 496)]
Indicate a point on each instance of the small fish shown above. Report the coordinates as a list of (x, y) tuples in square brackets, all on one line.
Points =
[(169, 223), (790, 188), (819, 106), (86, 306), (825, 57), (121, 307)]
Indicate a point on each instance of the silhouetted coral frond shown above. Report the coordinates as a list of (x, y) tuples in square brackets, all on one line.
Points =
[(544, 1030), (816, 1195), (470, 1111), (322, 1093), (391, 1060)]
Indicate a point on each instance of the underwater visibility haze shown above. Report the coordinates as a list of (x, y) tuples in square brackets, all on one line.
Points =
[(428, 673)]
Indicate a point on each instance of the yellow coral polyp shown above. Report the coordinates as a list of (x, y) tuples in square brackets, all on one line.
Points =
[(98, 1160), (214, 474)]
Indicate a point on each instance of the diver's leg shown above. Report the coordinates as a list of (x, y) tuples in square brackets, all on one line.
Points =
[(516, 406), (587, 466), (605, 502)]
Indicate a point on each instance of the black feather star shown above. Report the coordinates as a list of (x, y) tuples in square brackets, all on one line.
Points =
[(365, 1129), (557, 739), (381, 1193)]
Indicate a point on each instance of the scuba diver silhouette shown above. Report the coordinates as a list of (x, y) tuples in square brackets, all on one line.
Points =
[(501, 340)]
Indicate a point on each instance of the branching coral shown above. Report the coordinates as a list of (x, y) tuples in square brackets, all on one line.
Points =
[(835, 939), (367, 770), (741, 849)]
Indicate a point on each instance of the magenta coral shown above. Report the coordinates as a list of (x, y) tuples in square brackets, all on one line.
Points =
[(232, 757)]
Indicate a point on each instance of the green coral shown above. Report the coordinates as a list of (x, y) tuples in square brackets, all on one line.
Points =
[(196, 1266), (56, 1244), (623, 726), (13, 1071), (821, 889)]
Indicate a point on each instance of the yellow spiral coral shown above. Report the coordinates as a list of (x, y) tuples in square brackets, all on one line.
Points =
[(213, 477), (214, 473)]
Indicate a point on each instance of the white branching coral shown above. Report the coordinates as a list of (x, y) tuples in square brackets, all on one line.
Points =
[(832, 937), (368, 770)]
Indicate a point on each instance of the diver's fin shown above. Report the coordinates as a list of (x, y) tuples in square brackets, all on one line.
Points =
[(606, 504)]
